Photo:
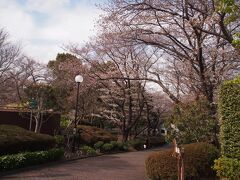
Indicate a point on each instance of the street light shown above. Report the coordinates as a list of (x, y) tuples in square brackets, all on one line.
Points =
[(78, 80)]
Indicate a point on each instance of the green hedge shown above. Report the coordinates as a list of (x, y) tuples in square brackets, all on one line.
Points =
[(198, 160), (88, 150), (107, 147), (98, 145), (8, 162), (121, 146), (113, 146), (59, 140), (14, 139), (229, 115), (228, 165)]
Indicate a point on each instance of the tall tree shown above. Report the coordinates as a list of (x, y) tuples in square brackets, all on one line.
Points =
[(16, 71), (64, 69), (185, 48), (117, 69)]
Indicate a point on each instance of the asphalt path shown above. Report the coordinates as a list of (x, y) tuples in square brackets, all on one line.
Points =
[(121, 166)]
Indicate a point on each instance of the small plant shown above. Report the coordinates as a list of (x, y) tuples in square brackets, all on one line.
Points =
[(115, 145), (19, 160), (64, 122), (107, 147), (98, 145), (88, 150), (227, 168), (123, 146), (59, 141)]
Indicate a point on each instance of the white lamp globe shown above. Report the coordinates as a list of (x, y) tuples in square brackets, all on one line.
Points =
[(78, 79)]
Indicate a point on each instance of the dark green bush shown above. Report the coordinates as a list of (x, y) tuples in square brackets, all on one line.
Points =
[(198, 160), (228, 166), (88, 150), (59, 141), (14, 139), (98, 145), (8, 162), (194, 121), (112, 146), (137, 143), (107, 147), (90, 135), (119, 146), (115, 145), (122, 146)]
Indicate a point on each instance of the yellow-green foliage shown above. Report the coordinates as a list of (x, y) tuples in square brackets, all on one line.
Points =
[(229, 115), (228, 165), (14, 139), (198, 160)]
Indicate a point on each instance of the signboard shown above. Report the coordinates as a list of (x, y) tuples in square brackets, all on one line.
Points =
[(32, 104)]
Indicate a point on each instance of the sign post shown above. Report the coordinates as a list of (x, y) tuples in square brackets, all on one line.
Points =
[(179, 154)]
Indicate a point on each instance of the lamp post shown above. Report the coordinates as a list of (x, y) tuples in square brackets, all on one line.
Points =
[(78, 80)]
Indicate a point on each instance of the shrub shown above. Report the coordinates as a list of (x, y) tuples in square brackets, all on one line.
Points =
[(19, 160), (156, 141), (227, 167), (98, 145), (64, 121), (59, 140), (88, 150), (112, 146), (14, 139), (90, 135), (120, 146), (137, 143), (107, 147), (115, 145), (193, 123), (198, 160), (123, 146), (229, 115)]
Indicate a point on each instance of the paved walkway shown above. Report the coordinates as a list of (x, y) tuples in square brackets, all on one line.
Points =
[(123, 166)]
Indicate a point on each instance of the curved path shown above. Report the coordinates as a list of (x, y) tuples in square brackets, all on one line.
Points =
[(122, 166)]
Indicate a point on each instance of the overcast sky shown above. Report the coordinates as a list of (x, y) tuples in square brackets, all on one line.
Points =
[(43, 26)]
